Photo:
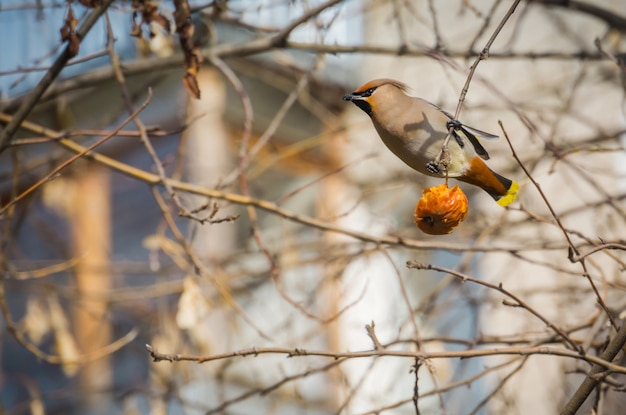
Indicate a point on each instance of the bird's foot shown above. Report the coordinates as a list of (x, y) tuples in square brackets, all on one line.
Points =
[(440, 164), (433, 167)]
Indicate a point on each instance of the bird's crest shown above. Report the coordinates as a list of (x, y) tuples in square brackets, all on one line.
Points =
[(380, 82)]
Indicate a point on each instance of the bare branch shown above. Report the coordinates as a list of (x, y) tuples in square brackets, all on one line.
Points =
[(150, 178), (34, 96), (463, 354), (592, 379)]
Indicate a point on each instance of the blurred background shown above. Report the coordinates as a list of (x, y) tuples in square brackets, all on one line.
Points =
[(303, 232)]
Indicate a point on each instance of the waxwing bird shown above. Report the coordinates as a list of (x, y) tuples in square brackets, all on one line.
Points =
[(415, 130)]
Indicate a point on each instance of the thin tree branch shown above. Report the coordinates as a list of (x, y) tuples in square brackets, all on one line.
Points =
[(573, 251), (443, 156), (518, 302), (243, 49), (18, 335), (33, 98), (71, 62), (462, 354), (78, 155), (592, 379), (614, 20), (390, 240), (483, 55)]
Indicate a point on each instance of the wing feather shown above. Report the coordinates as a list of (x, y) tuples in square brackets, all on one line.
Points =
[(471, 133)]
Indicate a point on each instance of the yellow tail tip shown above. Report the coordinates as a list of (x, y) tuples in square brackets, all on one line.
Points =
[(510, 196)]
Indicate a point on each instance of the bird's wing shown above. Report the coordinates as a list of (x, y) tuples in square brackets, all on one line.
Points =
[(471, 133), (480, 150), (480, 133)]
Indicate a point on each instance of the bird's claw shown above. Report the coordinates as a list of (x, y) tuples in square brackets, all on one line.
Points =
[(441, 162), (433, 167)]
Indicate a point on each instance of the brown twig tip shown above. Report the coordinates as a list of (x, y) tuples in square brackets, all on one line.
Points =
[(619, 60), (510, 303), (417, 265), (372, 334), (157, 357), (573, 257)]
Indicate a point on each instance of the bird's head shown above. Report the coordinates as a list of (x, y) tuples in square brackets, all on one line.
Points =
[(376, 93)]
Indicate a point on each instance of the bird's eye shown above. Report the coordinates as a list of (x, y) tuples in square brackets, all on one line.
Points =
[(368, 91)]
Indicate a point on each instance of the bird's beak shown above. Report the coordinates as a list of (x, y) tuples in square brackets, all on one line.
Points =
[(360, 102)]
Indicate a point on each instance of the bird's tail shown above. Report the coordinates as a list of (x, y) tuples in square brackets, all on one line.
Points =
[(503, 190)]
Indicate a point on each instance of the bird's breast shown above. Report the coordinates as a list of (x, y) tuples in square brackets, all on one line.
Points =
[(417, 144)]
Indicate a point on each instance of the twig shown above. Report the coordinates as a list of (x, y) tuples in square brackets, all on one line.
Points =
[(71, 62), (610, 18), (326, 175), (13, 328), (462, 354), (518, 302), (78, 155), (443, 156), (592, 380), (253, 47), (484, 54), (143, 134), (620, 62), (611, 245), (416, 368), (248, 117), (450, 386), (243, 182), (82, 133), (389, 240), (274, 123), (372, 335), (499, 387), (221, 409), (488, 16), (398, 16), (280, 38), (33, 98), (200, 268), (573, 251)]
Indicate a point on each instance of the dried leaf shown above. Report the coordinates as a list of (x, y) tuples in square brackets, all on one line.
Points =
[(197, 56), (65, 343), (69, 24), (136, 30), (440, 209), (192, 70), (73, 45), (59, 195), (163, 22), (70, 20), (36, 321), (150, 11), (182, 14), (192, 306), (65, 33), (68, 350), (191, 83)]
